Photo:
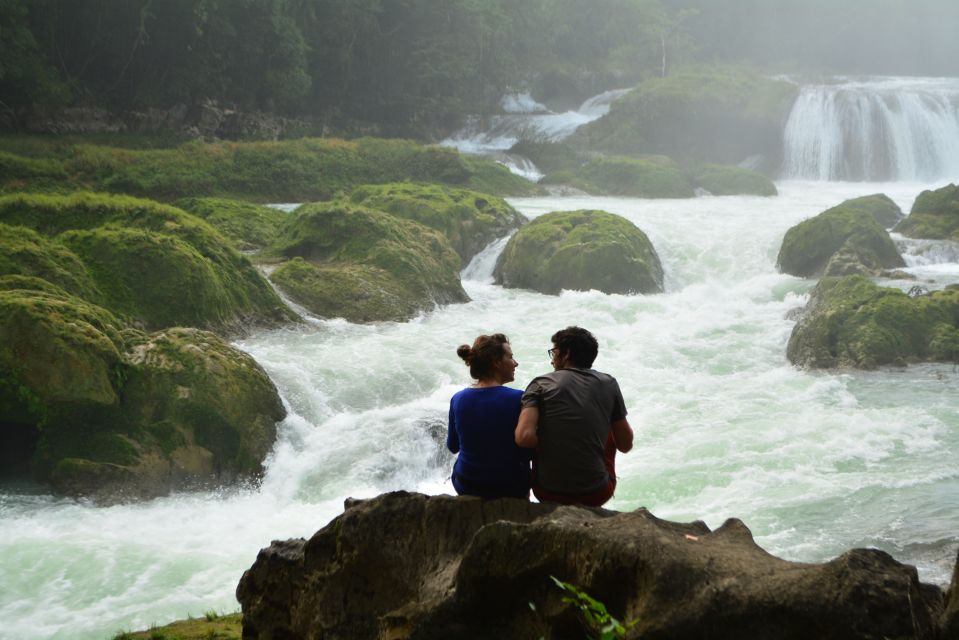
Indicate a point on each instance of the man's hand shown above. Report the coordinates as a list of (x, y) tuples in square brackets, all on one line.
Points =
[(525, 434), (622, 434)]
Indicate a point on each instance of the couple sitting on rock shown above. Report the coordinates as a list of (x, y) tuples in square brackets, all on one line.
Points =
[(569, 423)]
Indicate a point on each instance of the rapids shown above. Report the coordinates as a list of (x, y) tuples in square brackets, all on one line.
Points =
[(813, 462)]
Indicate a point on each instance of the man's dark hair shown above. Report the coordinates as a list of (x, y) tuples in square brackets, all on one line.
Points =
[(577, 343)]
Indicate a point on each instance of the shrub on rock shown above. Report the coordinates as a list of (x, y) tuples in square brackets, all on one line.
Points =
[(153, 263), (852, 322), (470, 220), (844, 240), (649, 177), (365, 265), (727, 180), (580, 250), (934, 215), (250, 227)]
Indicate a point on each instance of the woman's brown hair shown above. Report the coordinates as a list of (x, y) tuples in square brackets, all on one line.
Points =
[(483, 355)]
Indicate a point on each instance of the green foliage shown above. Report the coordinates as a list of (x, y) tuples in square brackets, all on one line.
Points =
[(934, 215), (851, 322), (549, 156), (470, 220), (651, 177), (602, 625), (724, 180), (211, 626), (305, 169), (580, 250)]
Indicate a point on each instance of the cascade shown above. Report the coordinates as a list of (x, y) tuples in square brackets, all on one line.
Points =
[(874, 129)]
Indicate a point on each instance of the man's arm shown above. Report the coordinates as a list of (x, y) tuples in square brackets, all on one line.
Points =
[(525, 434), (622, 434)]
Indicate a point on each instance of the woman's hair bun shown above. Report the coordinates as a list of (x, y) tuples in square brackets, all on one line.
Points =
[(464, 351)]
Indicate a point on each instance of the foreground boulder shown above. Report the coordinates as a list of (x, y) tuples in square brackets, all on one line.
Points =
[(364, 265), (149, 263), (852, 322), (580, 250), (412, 566), (934, 215), (97, 408), (844, 240), (470, 220)]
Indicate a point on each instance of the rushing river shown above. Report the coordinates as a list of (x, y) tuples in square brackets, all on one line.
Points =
[(813, 462)]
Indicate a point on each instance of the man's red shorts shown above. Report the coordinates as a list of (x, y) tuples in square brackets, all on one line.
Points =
[(596, 498)]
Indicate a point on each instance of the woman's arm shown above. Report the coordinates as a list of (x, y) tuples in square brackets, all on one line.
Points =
[(525, 434)]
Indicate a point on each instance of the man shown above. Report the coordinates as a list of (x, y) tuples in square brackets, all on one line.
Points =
[(575, 417)]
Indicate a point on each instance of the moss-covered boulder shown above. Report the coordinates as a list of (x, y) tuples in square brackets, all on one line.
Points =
[(701, 114), (880, 206), (364, 265), (249, 226), (728, 180), (580, 250), (844, 240), (25, 252), (852, 322), (650, 177), (151, 263), (934, 215), (469, 219), (96, 408)]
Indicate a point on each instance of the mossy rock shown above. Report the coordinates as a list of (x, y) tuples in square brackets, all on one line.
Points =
[(728, 180), (469, 219), (154, 263), (840, 241), (700, 114), (652, 177), (580, 250), (548, 156), (110, 412), (934, 215), (880, 206), (367, 265), (852, 322), (25, 252), (250, 227)]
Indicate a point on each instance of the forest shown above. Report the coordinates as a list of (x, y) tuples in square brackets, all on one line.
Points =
[(413, 65)]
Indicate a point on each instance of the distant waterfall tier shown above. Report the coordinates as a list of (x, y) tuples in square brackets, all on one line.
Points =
[(874, 130)]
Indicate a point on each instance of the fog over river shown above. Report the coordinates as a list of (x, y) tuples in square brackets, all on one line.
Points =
[(813, 462)]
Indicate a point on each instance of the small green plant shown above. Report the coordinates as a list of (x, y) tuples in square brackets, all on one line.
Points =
[(603, 625), (211, 615)]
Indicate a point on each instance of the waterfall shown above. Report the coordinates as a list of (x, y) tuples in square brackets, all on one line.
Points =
[(874, 130)]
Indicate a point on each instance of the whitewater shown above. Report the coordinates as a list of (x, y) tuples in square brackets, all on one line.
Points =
[(814, 462)]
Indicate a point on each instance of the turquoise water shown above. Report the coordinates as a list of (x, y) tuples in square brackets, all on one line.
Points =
[(813, 462)]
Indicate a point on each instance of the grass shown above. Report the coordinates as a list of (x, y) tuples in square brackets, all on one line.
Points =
[(211, 626)]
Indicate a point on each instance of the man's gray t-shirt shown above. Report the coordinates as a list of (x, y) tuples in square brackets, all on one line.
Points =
[(576, 408)]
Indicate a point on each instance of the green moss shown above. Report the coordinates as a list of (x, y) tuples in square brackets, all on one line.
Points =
[(550, 157), (469, 219), (880, 206), (653, 177), (850, 232), (27, 174), (934, 215), (367, 250), (248, 226), (487, 176), (851, 322), (580, 250), (725, 180), (701, 114), (24, 252), (127, 243), (218, 627)]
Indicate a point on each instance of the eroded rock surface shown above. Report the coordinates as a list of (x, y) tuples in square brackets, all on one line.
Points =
[(412, 566)]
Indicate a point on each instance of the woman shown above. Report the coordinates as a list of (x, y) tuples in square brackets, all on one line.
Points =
[(482, 423)]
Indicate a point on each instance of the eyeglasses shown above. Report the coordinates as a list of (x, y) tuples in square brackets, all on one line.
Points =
[(550, 353)]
